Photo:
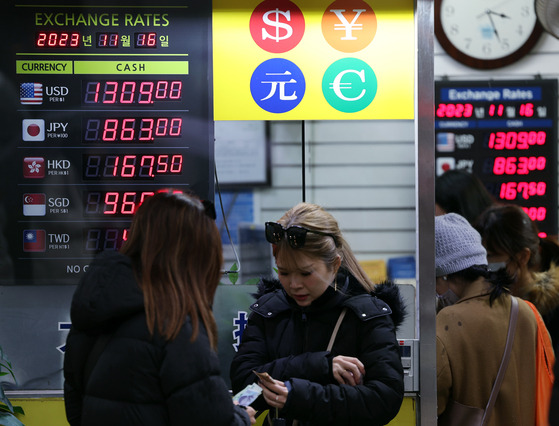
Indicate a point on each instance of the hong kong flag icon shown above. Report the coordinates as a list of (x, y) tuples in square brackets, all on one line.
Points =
[(33, 167), (34, 240)]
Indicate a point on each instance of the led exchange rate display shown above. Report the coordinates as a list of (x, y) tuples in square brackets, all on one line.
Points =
[(504, 132), (104, 104)]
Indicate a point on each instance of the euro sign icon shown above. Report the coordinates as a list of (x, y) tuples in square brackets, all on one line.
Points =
[(277, 24)]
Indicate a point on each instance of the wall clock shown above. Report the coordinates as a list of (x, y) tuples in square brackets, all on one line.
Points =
[(486, 34)]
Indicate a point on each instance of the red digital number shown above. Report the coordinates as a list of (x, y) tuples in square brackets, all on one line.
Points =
[(526, 110), (57, 39), (132, 166), (536, 213), (454, 110), (123, 203), (130, 91), (496, 110), (510, 190), (516, 140), (518, 165)]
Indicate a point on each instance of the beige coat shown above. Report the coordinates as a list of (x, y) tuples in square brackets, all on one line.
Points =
[(471, 339)]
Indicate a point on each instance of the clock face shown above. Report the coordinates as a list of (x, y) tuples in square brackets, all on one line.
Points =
[(486, 33)]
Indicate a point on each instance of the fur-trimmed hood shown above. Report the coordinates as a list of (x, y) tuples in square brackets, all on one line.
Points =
[(386, 291), (544, 293)]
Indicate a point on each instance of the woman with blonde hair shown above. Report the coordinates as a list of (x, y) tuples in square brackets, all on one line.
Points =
[(142, 347), (322, 331)]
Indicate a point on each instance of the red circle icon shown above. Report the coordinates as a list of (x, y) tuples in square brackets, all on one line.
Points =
[(33, 130), (277, 25)]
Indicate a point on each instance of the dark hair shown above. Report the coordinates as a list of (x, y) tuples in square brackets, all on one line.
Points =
[(176, 253), (508, 229), (458, 191), (500, 280)]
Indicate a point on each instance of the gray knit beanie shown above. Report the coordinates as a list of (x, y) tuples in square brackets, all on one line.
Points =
[(457, 245)]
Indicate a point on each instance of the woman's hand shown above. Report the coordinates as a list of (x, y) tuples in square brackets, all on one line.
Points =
[(348, 370), (250, 411), (275, 394), (252, 414)]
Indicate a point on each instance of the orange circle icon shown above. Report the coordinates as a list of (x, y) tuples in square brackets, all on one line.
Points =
[(349, 25)]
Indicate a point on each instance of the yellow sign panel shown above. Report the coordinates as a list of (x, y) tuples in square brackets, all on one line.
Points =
[(313, 59)]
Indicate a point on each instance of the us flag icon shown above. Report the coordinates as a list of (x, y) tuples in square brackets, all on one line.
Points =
[(34, 240), (31, 93), (34, 204)]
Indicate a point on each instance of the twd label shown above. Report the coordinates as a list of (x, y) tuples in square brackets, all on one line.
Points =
[(40, 240)]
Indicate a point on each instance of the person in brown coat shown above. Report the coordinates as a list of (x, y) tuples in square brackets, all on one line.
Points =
[(471, 333)]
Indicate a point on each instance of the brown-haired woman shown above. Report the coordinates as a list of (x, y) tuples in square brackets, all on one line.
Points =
[(511, 240), (356, 380), (158, 365)]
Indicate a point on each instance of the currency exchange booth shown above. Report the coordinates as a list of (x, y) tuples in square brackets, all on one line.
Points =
[(105, 103)]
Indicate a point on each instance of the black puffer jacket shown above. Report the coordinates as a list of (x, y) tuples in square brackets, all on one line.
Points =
[(138, 379), (289, 342)]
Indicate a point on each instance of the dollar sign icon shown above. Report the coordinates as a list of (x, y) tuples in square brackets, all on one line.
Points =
[(277, 24)]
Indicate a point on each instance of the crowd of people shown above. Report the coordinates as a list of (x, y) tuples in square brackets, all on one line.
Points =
[(521, 263), (320, 342)]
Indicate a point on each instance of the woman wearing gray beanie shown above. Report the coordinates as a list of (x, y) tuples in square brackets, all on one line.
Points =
[(472, 332)]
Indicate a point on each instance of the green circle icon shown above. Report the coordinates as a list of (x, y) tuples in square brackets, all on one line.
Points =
[(349, 85)]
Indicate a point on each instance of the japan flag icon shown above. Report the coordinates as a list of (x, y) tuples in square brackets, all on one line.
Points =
[(444, 164), (33, 130)]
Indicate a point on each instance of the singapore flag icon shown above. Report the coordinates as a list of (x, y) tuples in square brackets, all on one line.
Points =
[(34, 204)]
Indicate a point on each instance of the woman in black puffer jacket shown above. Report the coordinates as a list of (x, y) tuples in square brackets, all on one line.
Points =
[(359, 381), (153, 300)]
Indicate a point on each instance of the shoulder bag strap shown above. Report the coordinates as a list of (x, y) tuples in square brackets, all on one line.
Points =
[(331, 342), (504, 361), (329, 348), (336, 328)]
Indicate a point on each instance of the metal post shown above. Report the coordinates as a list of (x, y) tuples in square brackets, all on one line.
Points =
[(425, 211)]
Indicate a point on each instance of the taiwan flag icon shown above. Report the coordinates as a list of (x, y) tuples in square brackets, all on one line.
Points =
[(34, 240)]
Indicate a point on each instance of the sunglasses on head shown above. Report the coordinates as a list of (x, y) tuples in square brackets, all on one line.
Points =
[(296, 235)]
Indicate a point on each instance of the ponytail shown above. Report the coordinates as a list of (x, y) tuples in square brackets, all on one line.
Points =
[(500, 280)]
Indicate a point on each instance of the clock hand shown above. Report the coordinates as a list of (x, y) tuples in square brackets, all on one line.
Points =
[(488, 13), (493, 25), (500, 15)]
